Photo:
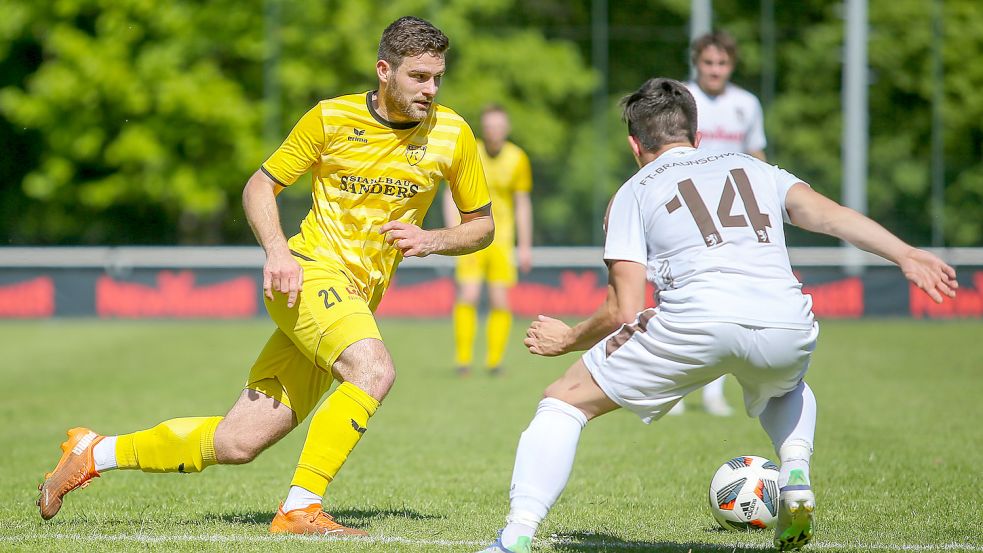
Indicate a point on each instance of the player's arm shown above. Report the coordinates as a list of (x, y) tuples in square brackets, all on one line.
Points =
[(476, 231), (281, 272), (452, 216), (466, 184), (523, 229), (626, 298), (760, 154), (812, 211)]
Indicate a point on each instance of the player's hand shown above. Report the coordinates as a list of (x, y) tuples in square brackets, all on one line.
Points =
[(410, 240), (547, 336), (282, 273), (525, 260), (926, 271)]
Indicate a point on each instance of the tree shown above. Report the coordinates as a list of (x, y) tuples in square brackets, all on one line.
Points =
[(150, 116)]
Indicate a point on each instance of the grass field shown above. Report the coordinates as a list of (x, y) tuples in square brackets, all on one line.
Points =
[(898, 464)]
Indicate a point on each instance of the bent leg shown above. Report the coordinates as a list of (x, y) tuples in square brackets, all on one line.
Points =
[(366, 372), (546, 451), (191, 444)]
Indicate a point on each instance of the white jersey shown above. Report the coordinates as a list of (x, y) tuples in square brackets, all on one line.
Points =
[(708, 228), (729, 122)]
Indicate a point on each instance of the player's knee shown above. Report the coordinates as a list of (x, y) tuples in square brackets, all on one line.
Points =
[(378, 380), (242, 450), (368, 366), (554, 390)]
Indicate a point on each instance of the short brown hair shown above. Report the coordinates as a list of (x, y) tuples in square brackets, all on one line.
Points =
[(720, 39), (494, 108), (411, 36), (661, 112)]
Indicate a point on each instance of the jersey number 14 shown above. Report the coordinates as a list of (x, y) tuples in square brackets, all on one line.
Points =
[(704, 221)]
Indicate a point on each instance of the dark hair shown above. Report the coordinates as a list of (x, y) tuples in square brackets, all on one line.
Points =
[(720, 39), (411, 36), (661, 112), (493, 108)]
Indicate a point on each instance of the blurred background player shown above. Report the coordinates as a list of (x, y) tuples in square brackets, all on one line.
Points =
[(377, 160), (509, 178), (740, 310), (730, 120)]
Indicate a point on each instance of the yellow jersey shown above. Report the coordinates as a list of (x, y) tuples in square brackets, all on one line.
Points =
[(507, 172), (368, 171)]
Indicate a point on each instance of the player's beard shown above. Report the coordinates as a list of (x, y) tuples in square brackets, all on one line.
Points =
[(396, 102)]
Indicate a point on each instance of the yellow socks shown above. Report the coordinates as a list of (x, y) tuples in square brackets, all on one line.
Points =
[(176, 445), (335, 429), (465, 327), (499, 325)]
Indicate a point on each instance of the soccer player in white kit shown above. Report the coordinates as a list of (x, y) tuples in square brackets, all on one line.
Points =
[(706, 229), (730, 120)]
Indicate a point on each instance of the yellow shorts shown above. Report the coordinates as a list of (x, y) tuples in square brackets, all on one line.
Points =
[(294, 367), (495, 264)]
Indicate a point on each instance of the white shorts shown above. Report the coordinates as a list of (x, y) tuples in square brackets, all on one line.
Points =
[(650, 365)]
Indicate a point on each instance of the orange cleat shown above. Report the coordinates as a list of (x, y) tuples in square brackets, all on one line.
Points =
[(310, 520), (75, 469)]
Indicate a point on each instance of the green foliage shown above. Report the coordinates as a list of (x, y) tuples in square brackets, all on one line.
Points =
[(138, 122), (147, 107), (805, 122)]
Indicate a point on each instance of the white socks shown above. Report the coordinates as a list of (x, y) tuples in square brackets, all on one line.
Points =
[(104, 454), (790, 422), (714, 391), (542, 466), (299, 498)]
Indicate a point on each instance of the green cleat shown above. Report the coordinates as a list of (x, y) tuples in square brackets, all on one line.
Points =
[(797, 505), (523, 545)]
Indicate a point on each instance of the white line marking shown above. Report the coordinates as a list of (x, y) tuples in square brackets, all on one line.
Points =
[(609, 545)]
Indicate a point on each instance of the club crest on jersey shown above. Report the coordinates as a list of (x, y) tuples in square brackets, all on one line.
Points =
[(414, 153)]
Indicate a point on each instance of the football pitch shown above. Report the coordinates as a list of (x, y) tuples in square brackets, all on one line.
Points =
[(898, 463)]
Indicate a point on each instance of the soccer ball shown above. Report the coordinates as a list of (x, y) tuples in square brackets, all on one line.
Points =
[(744, 493)]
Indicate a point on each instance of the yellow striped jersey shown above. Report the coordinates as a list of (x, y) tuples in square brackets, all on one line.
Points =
[(368, 171), (507, 172)]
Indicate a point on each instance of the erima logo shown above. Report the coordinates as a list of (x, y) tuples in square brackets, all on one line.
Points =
[(359, 429), (358, 136)]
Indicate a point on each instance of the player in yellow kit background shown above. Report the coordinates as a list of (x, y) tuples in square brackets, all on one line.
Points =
[(377, 159), (509, 178)]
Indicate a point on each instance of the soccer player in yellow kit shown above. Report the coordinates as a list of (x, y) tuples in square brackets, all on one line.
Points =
[(509, 177), (377, 160)]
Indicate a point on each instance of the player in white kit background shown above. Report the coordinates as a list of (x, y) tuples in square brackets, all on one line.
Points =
[(730, 119), (707, 230)]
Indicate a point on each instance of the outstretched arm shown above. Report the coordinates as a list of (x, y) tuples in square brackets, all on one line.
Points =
[(626, 297), (475, 232), (281, 272), (812, 211)]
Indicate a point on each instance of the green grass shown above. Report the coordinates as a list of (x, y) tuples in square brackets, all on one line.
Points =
[(897, 466)]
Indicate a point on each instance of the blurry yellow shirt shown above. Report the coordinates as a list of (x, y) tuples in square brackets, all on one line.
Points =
[(507, 172), (368, 171)]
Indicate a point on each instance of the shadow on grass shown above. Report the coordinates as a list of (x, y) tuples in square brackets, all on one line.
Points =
[(351, 517), (600, 542)]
